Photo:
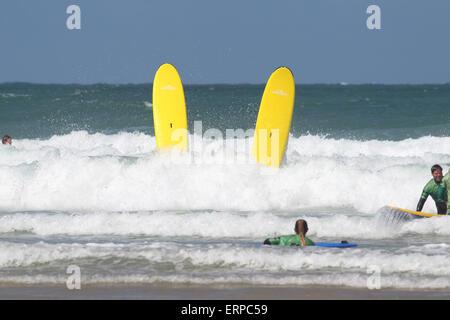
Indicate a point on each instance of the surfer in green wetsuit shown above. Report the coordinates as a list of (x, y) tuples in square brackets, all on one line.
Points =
[(437, 189), (446, 184), (297, 239)]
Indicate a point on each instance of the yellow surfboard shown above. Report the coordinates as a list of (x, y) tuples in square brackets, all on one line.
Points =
[(169, 109), (393, 215), (274, 118), (416, 213)]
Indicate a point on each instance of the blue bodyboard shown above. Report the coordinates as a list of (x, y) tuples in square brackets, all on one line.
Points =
[(335, 245)]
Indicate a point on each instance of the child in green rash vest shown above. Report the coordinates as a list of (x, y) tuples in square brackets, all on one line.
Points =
[(297, 239), (436, 189)]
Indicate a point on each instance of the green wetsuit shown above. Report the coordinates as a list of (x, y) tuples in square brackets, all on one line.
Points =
[(289, 240), (446, 184), (438, 192)]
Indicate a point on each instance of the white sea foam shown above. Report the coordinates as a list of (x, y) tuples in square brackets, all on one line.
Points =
[(148, 104), (227, 263), (12, 95), (82, 171), (356, 280), (214, 225)]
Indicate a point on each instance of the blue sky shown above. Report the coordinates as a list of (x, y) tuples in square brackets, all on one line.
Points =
[(209, 41)]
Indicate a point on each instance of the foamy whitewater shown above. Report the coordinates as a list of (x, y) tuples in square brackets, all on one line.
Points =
[(124, 213), (97, 195)]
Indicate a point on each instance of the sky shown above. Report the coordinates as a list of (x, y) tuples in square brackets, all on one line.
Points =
[(232, 41)]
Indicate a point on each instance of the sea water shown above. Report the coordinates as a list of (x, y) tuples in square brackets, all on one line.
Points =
[(83, 185)]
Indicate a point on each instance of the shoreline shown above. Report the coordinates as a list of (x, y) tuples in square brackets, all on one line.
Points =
[(226, 292)]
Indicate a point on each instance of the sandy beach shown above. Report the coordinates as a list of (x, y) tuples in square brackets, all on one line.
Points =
[(159, 292)]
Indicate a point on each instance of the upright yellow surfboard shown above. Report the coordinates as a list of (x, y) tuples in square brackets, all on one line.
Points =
[(169, 109), (274, 118)]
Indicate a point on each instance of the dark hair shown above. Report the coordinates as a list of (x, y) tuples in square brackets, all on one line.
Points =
[(435, 167), (5, 139), (304, 226)]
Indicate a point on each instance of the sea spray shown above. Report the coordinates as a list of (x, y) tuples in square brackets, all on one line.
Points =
[(81, 171)]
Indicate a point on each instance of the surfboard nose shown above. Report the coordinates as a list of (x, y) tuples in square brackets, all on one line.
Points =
[(169, 109), (274, 119)]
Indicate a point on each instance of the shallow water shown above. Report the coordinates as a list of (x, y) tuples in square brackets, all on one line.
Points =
[(83, 185)]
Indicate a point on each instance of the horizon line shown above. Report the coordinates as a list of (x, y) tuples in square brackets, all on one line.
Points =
[(343, 83)]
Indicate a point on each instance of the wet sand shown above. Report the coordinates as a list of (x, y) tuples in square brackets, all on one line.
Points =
[(160, 292)]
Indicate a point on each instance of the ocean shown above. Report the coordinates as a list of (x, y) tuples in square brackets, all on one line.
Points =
[(85, 193)]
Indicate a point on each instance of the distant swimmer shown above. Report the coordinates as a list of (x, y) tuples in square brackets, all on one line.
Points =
[(436, 189), (297, 239), (6, 140)]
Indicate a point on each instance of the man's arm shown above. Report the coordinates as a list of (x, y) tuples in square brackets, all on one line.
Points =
[(420, 204), (446, 181), (422, 200)]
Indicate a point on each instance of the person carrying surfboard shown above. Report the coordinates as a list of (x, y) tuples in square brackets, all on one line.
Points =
[(297, 239), (437, 190)]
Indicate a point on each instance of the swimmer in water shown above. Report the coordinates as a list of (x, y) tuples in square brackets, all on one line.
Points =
[(297, 239)]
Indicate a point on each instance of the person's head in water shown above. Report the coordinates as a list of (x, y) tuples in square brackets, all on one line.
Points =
[(436, 172), (6, 139), (301, 228)]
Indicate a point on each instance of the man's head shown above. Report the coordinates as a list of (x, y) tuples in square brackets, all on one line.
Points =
[(436, 172), (6, 140)]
